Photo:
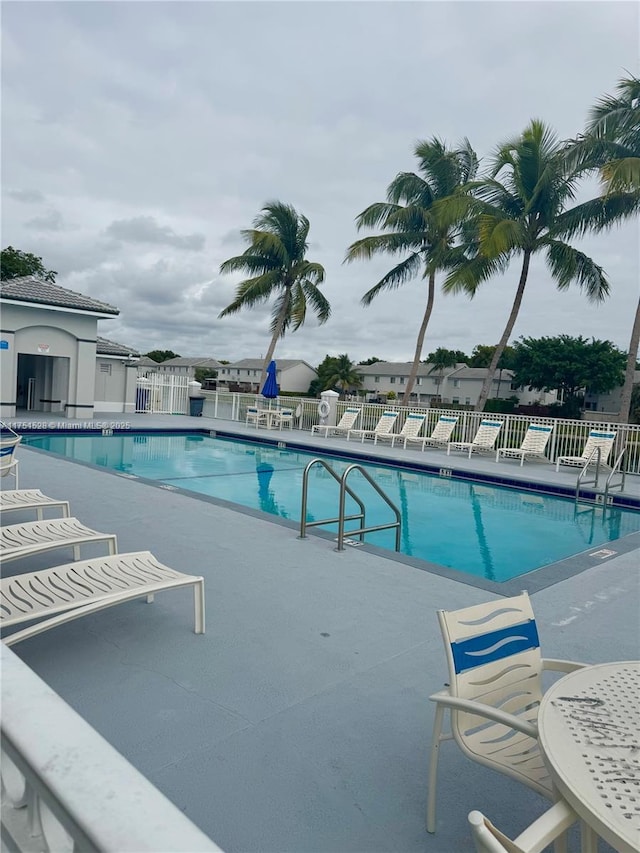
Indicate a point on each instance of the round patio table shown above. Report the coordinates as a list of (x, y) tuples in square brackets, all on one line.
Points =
[(589, 735)]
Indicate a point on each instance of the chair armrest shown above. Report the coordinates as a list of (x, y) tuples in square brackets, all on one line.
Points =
[(561, 665), (487, 711)]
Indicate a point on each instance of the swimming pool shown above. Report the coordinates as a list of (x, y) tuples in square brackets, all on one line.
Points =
[(466, 526)]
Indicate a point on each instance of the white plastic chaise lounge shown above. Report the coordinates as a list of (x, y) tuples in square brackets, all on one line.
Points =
[(36, 537), (345, 423), (597, 439), (12, 499), (483, 441), (440, 434), (383, 427), (533, 444), (63, 593), (410, 429), (8, 445)]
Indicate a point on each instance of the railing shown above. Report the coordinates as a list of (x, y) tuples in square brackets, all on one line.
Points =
[(616, 471), (66, 789), (342, 517), (581, 481), (162, 395), (568, 438)]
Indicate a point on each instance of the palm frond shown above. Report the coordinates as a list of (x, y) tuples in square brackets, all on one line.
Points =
[(252, 292), (568, 265), (470, 274), (499, 235), (316, 299), (409, 188), (377, 244), (395, 278), (597, 214), (622, 175), (376, 215), (248, 263)]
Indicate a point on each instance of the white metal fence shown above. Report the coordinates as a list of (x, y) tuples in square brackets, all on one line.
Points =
[(162, 395), (568, 438)]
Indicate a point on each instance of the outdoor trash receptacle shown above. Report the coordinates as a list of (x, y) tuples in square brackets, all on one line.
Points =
[(195, 406)]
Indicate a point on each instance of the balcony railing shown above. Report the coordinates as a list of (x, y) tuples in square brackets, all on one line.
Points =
[(64, 788)]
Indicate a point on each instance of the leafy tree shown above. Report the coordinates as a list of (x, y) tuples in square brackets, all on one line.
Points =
[(161, 355), (15, 264), (454, 356), (414, 228), (344, 374), (482, 354), (611, 145), (440, 360), (522, 208), (202, 373), (275, 261), (568, 364), (372, 360)]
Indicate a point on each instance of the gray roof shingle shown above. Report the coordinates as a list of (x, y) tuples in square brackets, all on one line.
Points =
[(107, 347), (28, 288)]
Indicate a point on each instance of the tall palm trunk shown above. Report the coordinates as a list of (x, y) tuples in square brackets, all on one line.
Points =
[(504, 340), (419, 343), (627, 388), (277, 334)]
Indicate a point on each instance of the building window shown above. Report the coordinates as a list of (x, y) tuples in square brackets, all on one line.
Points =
[(402, 380), (376, 379), (392, 380), (456, 400), (467, 401), (514, 387), (456, 383), (255, 372), (419, 380), (105, 368)]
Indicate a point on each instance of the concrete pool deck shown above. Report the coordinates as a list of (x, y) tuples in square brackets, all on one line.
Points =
[(300, 721)]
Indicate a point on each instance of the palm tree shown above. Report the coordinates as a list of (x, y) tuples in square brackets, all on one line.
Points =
[(275, 260), (413, 227), (344, 374), (521, 208), (611, 144), (440, 360)]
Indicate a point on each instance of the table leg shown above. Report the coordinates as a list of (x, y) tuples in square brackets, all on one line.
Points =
[(589, 840)]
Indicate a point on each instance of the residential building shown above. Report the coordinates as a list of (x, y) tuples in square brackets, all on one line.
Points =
[(186, 366), (608, 402), (292, 375), (459, 384), (116, 374), (48, 352)]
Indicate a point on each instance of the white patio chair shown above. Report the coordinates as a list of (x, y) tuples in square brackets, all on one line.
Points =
[(284, 418), (343, 426), (535, 838), (440, 434), (483, 441), (383, 427), (410, 429), (58, 595), (8, 461), (12, 499), (35, 537), (533, 444), (597, 439), (495, 687), (254, 416)]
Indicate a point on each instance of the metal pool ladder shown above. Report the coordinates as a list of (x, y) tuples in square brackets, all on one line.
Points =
[(342, 517), (616, 471)]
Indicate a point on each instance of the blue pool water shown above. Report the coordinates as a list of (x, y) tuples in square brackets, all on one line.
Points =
[(490, 532)]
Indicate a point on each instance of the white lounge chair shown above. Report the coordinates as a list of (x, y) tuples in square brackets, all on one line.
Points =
[(533, 444), (535, 838), (483, 441), (411, 428), (440, 434), (12, 499), (383, 427), (597, 439), (8, 461), (495, 687), (58, 595), (345, 423), (35, 537)]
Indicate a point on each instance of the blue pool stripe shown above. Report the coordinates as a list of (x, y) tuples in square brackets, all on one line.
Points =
[(486, 648)]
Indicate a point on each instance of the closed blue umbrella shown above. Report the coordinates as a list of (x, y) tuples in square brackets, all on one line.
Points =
[(270, 387)]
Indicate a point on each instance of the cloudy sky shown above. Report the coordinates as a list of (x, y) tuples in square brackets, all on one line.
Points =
[(139, 138)]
